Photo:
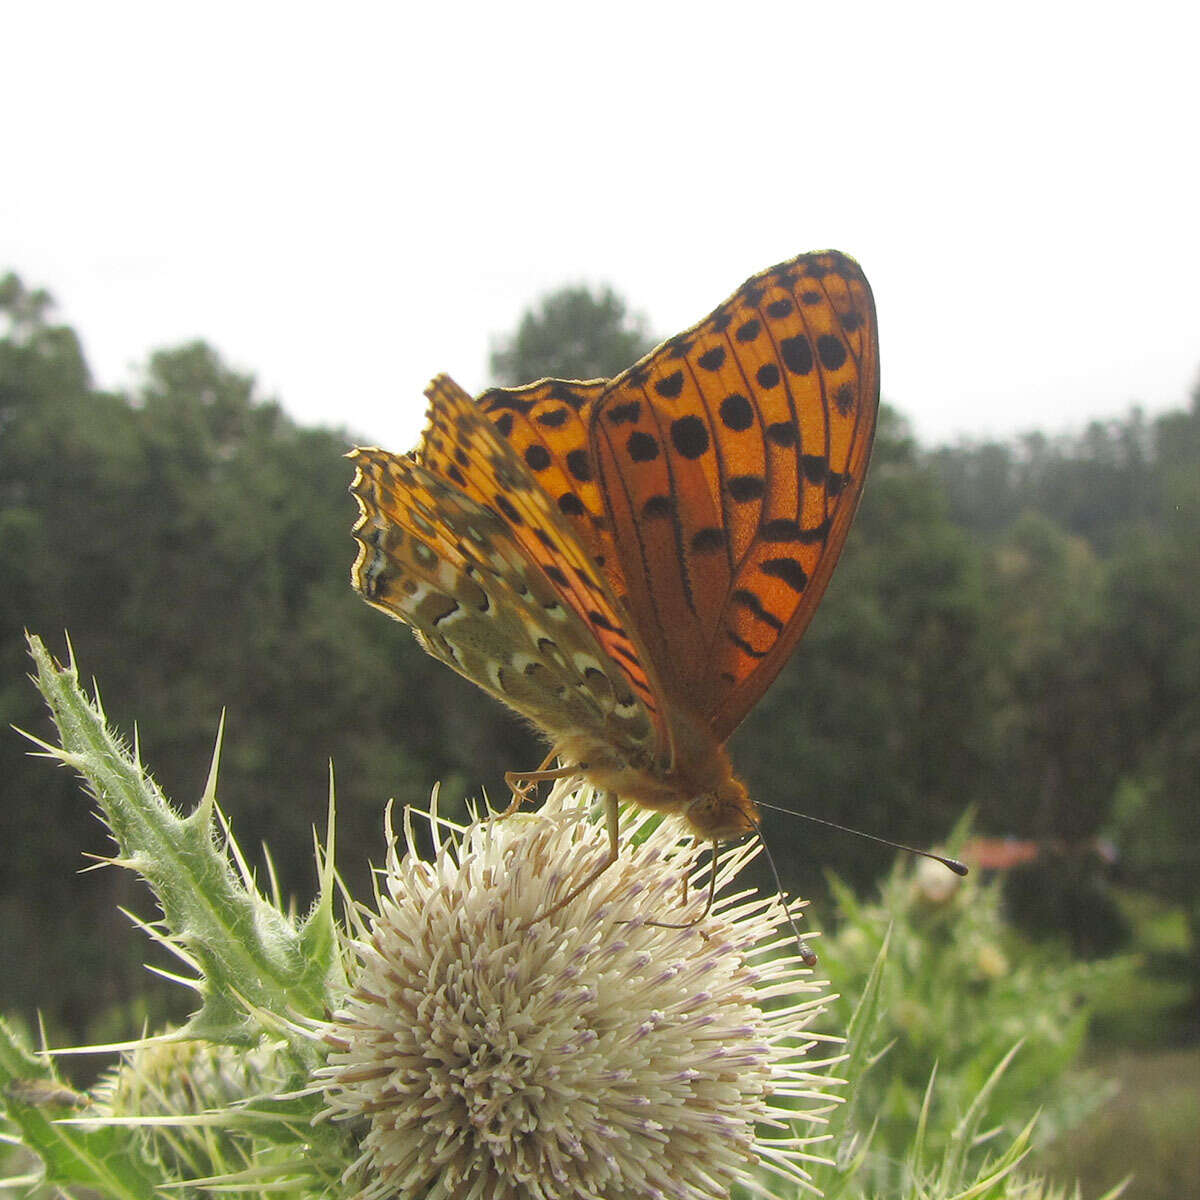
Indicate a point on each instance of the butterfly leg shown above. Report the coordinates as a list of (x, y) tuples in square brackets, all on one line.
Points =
[(520, 783), (611, 821), (712, 895)]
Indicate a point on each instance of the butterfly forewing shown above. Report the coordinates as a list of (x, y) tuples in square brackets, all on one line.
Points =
[(731, 461), (459, 433)]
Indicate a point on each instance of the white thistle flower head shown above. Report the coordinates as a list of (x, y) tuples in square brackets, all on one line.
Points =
[(494, 1053), (933, 884)]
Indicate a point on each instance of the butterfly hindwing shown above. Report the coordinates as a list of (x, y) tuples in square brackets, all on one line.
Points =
[(731, 460), (444, 564), (459, 437), (546, 424)]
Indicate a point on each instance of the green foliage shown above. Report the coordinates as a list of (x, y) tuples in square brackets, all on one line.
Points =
[(231, 1089), (230, 1102), (1013, 628), (880, 720), (979, 1149), (1153, 615), (69, 1156), (1094, 546), (575, 333), (1092, 485), (1148, 1127), (960, 990), (194, 521), (241, 944)]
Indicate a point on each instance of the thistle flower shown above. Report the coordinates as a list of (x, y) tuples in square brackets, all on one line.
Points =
[(173, 1078), (496, 1050), (160, 1087), (933, 885)]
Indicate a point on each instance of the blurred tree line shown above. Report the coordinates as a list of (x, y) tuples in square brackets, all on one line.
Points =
[(1014, 629)]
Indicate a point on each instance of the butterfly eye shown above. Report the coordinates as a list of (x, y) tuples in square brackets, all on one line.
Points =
[(720, 818)]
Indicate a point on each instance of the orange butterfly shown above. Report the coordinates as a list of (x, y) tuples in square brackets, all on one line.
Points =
[(629, 562)]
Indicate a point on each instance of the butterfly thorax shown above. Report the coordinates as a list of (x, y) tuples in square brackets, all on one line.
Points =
[(699, 786)]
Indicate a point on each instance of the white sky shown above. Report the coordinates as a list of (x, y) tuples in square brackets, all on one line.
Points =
[(345, 199)]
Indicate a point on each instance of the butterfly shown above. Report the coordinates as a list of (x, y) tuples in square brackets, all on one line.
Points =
[(628, 563)]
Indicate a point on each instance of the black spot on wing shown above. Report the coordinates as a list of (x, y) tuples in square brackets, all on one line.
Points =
[(744, 645), (641, 447), (560, 390), (736, 412), (580, 465), (503, 503), (747, 487), (797, 354), (708, 540), (831, 350), (815, 467), (784, 529), (624, 414), (783, 433), (670, 387), (689, 435), (767, 376), (788, 570), (749, 601)]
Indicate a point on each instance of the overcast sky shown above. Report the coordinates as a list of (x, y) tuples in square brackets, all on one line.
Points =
[(347, 199)]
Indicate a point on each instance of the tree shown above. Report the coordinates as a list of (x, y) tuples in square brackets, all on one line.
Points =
[(1153, 635), (880, 718), (572, 333), (1014, 627), (195, 543)]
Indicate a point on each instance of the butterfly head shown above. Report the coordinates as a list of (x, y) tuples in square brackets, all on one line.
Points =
[(724, 814)]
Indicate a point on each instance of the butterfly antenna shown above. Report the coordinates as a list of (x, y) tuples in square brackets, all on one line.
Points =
[(952, 863), (807, 955)]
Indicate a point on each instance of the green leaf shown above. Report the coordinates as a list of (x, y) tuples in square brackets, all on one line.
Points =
[(251, 956), (102, 1157)]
